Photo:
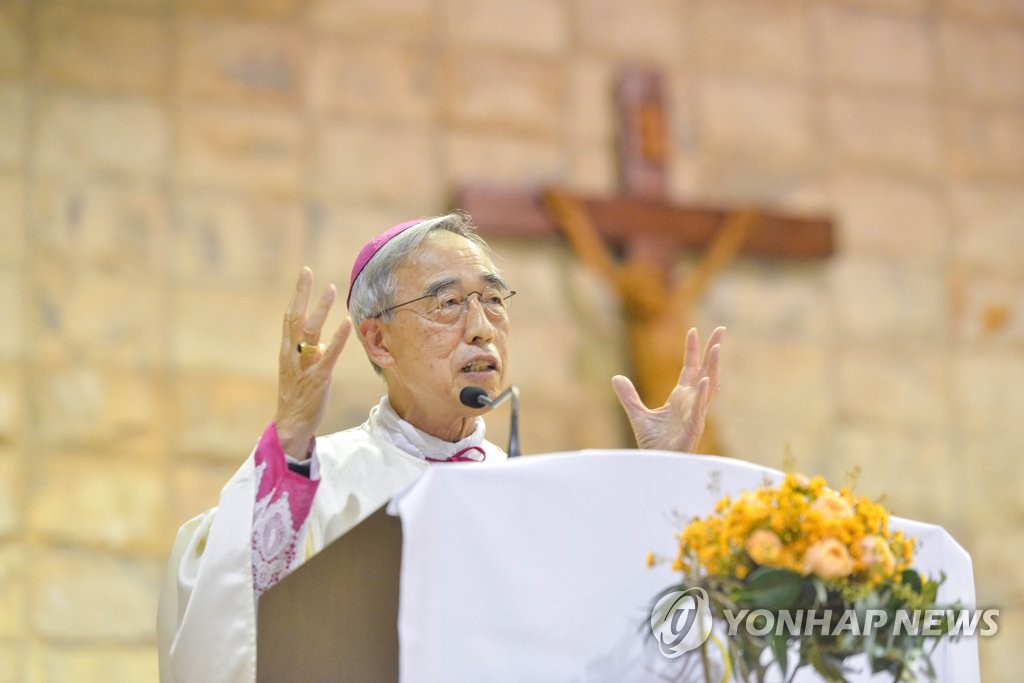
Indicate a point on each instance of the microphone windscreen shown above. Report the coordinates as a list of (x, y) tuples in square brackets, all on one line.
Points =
[(474, 397)]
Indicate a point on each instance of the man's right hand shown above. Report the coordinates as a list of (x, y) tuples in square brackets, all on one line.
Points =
[(304, 379)]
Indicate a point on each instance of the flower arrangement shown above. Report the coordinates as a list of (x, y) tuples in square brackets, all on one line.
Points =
[(804, 549)]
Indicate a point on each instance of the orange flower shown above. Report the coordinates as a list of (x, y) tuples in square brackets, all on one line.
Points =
[(801, 525), (877, 554), (763, 546), (828, 559), (832, 505)]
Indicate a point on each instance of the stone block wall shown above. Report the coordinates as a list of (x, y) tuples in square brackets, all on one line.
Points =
[(166, 166)]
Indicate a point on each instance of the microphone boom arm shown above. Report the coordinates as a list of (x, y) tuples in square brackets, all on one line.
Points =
[(470, 393), (512, 391)]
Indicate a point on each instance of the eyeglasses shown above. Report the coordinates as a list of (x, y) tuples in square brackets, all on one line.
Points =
[(452, 302)]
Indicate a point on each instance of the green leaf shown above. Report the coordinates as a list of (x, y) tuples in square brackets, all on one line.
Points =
[(913, 579), (930, 590), (823, 664), (780, 651), (770, 588), (828, 668), (750, 653)]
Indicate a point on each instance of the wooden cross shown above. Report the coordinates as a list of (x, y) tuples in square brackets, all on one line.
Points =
[(633, 240)]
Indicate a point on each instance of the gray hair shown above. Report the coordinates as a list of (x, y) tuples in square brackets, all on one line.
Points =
[(374, 289)]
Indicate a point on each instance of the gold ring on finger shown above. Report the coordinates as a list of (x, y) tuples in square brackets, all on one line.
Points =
[(306, 349)]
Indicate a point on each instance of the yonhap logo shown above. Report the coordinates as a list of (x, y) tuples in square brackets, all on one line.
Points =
[(681, 621)]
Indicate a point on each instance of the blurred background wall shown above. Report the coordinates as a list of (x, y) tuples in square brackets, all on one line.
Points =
[(166, 166)]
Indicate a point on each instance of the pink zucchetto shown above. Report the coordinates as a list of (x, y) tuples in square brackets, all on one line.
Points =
[(371, 248)]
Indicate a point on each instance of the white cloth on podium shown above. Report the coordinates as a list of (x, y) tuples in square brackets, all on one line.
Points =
[(535, 570)]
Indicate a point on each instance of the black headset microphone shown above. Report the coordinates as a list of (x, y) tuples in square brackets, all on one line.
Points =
[(476, 397)]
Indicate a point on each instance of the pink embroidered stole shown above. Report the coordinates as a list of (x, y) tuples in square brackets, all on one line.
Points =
[(283, 502)]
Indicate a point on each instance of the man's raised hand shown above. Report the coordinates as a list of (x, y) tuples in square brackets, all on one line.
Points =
[(304, 378), (679, 423)]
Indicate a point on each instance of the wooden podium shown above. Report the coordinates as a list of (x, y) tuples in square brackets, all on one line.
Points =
[(335, 618)]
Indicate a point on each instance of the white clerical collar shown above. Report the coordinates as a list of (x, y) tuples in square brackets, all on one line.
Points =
[(386, 422)]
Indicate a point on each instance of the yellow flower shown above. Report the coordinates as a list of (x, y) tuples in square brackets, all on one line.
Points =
[(828, 559), (832, 505), (795, 480), (877, 554), (750, 505), (801, 525), (763, 546)]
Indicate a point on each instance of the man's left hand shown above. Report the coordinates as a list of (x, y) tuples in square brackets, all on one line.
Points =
[(677, 425)]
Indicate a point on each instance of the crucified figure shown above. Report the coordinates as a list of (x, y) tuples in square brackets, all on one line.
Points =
[(656, 308)]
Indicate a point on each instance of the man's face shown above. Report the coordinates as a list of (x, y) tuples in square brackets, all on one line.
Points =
[(429, 363)]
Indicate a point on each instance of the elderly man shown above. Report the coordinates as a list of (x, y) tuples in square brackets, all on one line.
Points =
[(431, 311)]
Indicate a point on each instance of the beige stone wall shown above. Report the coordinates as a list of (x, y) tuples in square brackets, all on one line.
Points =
[(167, 165)]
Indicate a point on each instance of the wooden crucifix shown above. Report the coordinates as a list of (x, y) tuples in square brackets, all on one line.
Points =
[(634, 240)]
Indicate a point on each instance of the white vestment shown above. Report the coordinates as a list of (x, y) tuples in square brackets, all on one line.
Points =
[(206, 625)]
